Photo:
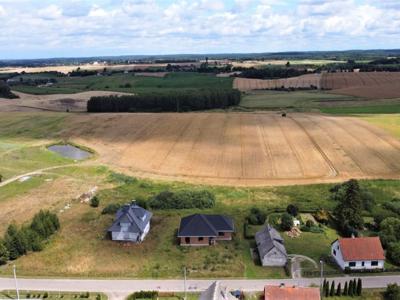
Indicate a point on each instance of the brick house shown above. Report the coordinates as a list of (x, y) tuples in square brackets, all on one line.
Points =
[(205, 230)]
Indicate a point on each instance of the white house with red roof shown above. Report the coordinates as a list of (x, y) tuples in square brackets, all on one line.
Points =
[(362, 253)]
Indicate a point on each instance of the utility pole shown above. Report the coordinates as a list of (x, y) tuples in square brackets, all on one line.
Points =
[(322, 276), (16, 284), (184, 282)]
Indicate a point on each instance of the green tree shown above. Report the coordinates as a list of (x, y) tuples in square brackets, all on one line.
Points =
[(345, 289), (286, 221), (354, 287), (332, 292), (94, 202), (389, 231), (359, 287), (350, 291), (292, 210), (15, 242), (327, 289), (392, 292), (393, 252), (4, 254), (349, 208), (339, 290)]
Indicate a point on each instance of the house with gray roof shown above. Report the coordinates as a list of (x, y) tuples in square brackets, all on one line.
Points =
[(132, 223), (271, 247), (216, 292), (205, 230)]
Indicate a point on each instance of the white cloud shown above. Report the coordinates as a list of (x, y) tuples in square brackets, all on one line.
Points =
[(151, 26), (50, 12)]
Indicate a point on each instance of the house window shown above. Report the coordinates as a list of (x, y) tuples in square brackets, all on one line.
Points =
[(220, 233), (201, 239), (187, 240), (352, 264), (334, 252), (363, 264), (374, 263)]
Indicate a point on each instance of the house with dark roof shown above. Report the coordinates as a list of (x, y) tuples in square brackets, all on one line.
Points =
[(205, 230), (270, 247), (132, 223), (216, 292), (272, 292), (362, 253)]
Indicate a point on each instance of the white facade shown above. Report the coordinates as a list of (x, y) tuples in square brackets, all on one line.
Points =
[(355, 264)]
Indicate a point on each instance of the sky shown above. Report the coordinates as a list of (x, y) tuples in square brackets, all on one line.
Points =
[(78, 28)]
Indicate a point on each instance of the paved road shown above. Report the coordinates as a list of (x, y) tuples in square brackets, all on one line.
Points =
[(119, 289)]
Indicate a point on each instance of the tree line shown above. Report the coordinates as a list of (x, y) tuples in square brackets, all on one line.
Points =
[(271, 72), (18, 241), (351, 288), (5, 91), (168, 102)]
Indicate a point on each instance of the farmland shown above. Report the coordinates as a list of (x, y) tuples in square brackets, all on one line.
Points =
[(232, 148), (127, 83)]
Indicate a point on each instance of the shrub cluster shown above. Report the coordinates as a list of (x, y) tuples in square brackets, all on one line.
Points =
[(256, 217), (111, 208), (182, 199), (272, 72), (5, 91), (188, 101), (351, 288), (143, 295), (18, 241)]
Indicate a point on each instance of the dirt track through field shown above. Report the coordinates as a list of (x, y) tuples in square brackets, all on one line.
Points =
[(239, 148)]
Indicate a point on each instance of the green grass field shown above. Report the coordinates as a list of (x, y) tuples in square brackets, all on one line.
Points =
[(11, 294), (297, 100), (391, 123), (368, 109), (130, 84)]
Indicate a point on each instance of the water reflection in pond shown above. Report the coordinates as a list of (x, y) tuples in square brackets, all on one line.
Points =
[(70, 151)]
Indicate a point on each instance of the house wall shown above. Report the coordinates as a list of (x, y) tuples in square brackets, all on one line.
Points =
[(274, 258), (124, 236), (359, 263), (145, 232), (194, 241), (227, 236)]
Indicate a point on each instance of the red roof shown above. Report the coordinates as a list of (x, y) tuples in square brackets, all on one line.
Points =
[(291, 293), (362, 248)]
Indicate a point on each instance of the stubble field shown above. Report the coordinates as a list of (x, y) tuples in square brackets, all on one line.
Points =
[(239, 148)]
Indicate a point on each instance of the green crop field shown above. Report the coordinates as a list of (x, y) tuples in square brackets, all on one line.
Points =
[(391, 123), (366, 109), (297, 100), (130, 84)]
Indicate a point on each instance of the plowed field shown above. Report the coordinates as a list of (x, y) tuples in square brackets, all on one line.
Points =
[(376, 85), (239, 149)]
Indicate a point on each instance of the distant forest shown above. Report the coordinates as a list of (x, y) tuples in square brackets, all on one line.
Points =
[(169, 102)]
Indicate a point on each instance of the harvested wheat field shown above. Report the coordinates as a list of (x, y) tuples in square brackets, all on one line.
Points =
[(363, 84), (303, 81), (239, 148), (377, 85), (55, 102)]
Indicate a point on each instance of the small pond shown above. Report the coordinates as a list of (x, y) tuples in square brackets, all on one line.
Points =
[(70, 151)]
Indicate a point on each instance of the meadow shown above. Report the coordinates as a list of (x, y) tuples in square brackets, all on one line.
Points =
[(128, 83)]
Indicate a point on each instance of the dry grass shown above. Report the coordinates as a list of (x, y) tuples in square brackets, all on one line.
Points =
[(239, 149)]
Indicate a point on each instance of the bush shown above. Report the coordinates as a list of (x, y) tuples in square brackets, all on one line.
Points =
[(143, 295), (392, 292), (5, 91), (322, 216), (256, 217), (183, 199), (4, 254), (286, 221), (94, 202), (111, 208), (190, 100), (292, 210)]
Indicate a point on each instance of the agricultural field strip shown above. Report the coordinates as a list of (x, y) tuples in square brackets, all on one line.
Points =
[(240, 146)]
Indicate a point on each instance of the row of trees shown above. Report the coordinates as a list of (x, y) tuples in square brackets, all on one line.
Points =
[(5, 91), (270, 72), (173, 101), (351, 288), (19, 241)]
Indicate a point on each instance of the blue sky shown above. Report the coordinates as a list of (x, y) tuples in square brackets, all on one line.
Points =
[(68, 28)]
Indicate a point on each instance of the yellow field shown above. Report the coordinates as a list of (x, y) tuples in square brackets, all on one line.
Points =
[(239, 148)]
